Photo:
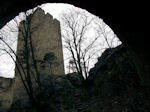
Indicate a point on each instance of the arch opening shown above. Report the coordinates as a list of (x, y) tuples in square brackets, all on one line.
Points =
[(98, 27), (113, 62)]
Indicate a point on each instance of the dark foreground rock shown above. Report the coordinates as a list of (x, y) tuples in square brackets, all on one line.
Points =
[(116, 85), (57, 95), (112, 86)]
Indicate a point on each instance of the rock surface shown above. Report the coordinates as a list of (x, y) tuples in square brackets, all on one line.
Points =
[(6, 93), (112, 86), (116, 84)]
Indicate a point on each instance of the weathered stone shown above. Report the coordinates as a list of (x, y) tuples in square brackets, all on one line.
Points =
[(115, 69), (46, 37), (6, 95), (116, 88)]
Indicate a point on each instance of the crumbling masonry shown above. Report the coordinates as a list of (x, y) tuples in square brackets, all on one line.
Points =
[(46, 37)]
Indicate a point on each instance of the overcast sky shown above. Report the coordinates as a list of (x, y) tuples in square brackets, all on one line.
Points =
[(7, 66), (55, 9)]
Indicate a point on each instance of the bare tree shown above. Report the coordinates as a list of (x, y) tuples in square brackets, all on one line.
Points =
[(26, 62), (106, 33), (71, 66), (51, 59), (75, 26)]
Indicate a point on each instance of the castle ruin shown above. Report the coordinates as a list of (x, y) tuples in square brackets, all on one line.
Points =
[(46, 37)]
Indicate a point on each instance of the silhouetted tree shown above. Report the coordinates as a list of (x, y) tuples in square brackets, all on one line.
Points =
[(75, 25), (106, 33), (51, 59), (71, 66), (75, 28), (26, 62)]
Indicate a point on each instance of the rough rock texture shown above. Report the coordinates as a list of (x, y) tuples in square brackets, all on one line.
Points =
[(46, 37), (113, 62), (113, 86), (116, 85), (60, 94), (6, 94)]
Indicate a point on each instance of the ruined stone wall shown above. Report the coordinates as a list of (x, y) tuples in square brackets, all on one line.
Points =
[(46, 37), (6, 93)]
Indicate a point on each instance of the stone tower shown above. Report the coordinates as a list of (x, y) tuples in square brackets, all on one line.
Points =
[(46, 37)]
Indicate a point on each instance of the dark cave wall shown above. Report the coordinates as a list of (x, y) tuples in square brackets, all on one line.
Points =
[(128, 20)]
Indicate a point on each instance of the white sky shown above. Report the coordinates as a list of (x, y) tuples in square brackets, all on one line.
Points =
[(55, 9), (7, 66)]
